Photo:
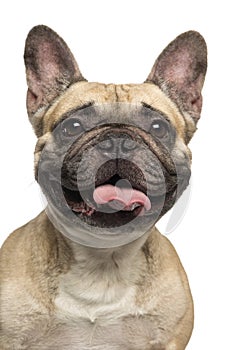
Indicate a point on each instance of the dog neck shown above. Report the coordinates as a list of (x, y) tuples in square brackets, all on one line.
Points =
[(105, 275), (112, 256)]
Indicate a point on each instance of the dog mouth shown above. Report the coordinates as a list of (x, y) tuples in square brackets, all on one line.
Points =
[(115, 202)]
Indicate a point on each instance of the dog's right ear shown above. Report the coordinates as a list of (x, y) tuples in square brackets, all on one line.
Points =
[(50, 69)]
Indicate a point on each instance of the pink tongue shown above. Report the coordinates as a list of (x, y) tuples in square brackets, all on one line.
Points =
[(121, 198)]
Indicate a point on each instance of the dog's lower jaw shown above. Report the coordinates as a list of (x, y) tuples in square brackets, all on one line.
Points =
[(80, 232)]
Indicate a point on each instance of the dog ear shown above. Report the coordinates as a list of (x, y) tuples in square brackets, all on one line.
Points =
[(50, 67), (180, 71)]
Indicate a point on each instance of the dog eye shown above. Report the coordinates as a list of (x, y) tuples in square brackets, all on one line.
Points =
[(159, 129), (71, 127)]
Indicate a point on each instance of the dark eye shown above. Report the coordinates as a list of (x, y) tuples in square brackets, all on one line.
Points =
[(159, 129), (71, 127)]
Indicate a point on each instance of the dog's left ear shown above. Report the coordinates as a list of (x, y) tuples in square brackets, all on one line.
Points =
[(50, 69), (180, 72)]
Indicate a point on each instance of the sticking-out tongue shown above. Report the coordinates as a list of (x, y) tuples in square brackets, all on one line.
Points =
[(120, 198)]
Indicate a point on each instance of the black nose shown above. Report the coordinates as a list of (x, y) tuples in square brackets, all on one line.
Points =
[(117, 145)]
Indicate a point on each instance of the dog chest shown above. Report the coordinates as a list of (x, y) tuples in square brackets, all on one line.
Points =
[(112, 321), (130, 332)]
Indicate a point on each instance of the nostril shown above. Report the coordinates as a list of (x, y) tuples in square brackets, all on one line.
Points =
[(122, 144), (106, 145), (128, 145)]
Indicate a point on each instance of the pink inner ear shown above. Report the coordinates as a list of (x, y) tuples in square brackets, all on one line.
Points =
[(196, 103), (48, 64), (31, 97), (50, 67), (180, 71), (176, 68)]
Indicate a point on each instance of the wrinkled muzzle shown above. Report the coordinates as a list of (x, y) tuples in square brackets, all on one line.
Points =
[(110, 185)]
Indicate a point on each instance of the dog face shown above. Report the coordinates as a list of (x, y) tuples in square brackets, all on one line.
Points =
[(112, 159)]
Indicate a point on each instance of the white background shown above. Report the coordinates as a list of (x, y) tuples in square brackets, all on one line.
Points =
[(118, 41)]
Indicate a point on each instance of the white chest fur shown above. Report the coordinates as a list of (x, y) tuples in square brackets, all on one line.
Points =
[(113, 300), (108, 320), (96, 307), (98, 288), (109, 304)]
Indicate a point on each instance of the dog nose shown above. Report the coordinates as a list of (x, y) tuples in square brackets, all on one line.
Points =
[(106, 145), (128, 145), (117, 145)]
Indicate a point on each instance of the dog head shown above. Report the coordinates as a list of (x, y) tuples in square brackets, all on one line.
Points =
[(112, 159)]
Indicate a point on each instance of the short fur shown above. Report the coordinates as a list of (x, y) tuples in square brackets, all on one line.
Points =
[(57, 294)]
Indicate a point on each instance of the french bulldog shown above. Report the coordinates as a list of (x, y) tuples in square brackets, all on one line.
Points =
[(92, 271)]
